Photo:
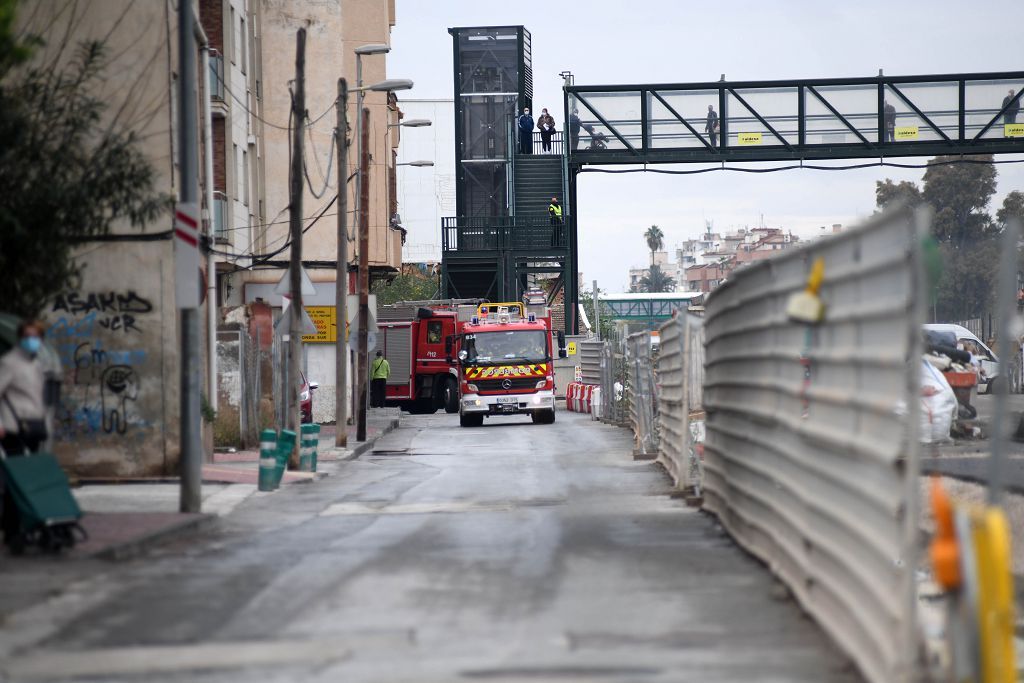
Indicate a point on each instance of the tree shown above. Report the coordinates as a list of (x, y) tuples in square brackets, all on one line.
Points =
[(411, 286), (1013, 205), (960, 194), (66, 173), (655, 239), (657, 280), (606, 322), (888, 193)]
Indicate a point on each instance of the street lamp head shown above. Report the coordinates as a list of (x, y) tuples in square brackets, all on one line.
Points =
[(391, 84), (419, 163), (373, 49), (416, 123)]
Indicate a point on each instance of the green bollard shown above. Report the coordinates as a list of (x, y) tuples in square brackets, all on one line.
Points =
[(306, 448), (285, 444), (316, 444), (268, 461)]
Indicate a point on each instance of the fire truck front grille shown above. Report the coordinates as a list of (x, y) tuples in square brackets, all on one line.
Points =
[(516, 383)]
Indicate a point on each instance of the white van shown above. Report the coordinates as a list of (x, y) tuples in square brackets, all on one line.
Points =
[(988, 361)]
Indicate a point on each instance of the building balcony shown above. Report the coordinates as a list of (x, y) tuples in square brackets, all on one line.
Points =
[(221, 225), (217, 90)]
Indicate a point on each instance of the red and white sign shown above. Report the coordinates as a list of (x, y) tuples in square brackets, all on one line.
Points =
[(186, 255)]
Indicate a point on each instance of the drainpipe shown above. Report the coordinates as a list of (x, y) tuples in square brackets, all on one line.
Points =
[(211, 265)]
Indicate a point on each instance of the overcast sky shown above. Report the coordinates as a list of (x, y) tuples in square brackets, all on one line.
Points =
[(673, 41)]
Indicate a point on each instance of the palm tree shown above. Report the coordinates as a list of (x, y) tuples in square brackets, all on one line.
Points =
[(655, 240), (656, 280)]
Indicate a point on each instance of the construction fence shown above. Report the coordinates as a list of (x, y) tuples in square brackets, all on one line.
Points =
[(802, 438), (812, 447)]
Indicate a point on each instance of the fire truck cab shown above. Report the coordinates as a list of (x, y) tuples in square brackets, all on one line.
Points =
[(505, 361)]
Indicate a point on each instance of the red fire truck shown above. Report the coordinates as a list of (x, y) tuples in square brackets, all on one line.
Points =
[(413, 337), (506, 361)]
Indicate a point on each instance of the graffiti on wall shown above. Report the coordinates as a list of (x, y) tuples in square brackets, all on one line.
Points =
[(98, 336)]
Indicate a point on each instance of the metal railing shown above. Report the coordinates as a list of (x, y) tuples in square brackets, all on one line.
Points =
[(491, 233), (590, 351), (812, 446), (680, 398), (554, 143)]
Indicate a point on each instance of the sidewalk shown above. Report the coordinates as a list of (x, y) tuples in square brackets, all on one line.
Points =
[(124, 518)]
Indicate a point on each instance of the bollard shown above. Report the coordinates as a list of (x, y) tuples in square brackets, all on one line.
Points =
[(285, 444), (268, 462), (316, 444), (306, 448)]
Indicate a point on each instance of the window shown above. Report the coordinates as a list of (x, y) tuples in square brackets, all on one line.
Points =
[(243, 39), (235, 167), (434, 332), (229, 37), (245, 177)]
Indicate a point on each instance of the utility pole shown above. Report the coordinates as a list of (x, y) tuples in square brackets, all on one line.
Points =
[(295, 226), (191, 456), (363, 366), (341, 288), (597, 313)]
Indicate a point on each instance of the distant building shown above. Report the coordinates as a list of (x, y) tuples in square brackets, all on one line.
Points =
[(660, 259)]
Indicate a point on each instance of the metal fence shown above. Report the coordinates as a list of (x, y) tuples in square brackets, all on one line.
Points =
[(614, 398), (680, 396), (811, 449), (643, 396), (590, 361)]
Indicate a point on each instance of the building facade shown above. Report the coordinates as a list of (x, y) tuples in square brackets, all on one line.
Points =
[(117, 330)]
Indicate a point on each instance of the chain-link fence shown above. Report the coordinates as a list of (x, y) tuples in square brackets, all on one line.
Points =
[(642, 391)]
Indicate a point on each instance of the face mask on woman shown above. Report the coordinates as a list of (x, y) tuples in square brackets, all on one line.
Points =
[(31, 345)]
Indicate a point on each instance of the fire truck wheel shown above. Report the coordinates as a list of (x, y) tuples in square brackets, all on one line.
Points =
[(471, 420), (543, 417), (450, 396)]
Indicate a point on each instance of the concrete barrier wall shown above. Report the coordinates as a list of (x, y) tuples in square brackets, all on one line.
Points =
[(811, 448)]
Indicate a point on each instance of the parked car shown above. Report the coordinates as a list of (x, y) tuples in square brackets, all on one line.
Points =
[(988, 362), (306, 399)]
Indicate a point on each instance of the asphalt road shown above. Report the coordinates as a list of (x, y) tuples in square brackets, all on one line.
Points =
[(511, 552), (968, 458)]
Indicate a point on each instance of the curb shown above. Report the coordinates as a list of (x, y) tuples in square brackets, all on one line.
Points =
[(362, 447), (136, 546)]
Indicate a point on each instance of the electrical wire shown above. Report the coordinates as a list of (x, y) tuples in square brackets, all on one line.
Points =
[(796, 167), (328, 111), (264, 258), (330, 165), (243, 105)]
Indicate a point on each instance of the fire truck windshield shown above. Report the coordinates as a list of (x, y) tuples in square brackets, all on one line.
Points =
[(521, 346)]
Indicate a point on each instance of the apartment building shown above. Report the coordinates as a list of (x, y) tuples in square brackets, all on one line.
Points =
[(238, 209), (116, 331)]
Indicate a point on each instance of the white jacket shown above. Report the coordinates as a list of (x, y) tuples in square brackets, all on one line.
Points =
[(21, 384)]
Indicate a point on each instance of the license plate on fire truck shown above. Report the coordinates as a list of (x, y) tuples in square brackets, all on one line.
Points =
[(508, 399)]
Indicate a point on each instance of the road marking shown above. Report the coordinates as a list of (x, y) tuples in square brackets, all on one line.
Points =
[(122, 661)]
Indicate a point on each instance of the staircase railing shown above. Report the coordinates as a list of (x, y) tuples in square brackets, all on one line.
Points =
[(510, 164), (497, 233)]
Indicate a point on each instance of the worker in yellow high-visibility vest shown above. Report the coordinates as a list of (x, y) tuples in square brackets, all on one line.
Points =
[(555, 213), (380, 371)]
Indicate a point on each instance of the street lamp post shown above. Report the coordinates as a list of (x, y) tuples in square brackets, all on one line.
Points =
[(362, 210)]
